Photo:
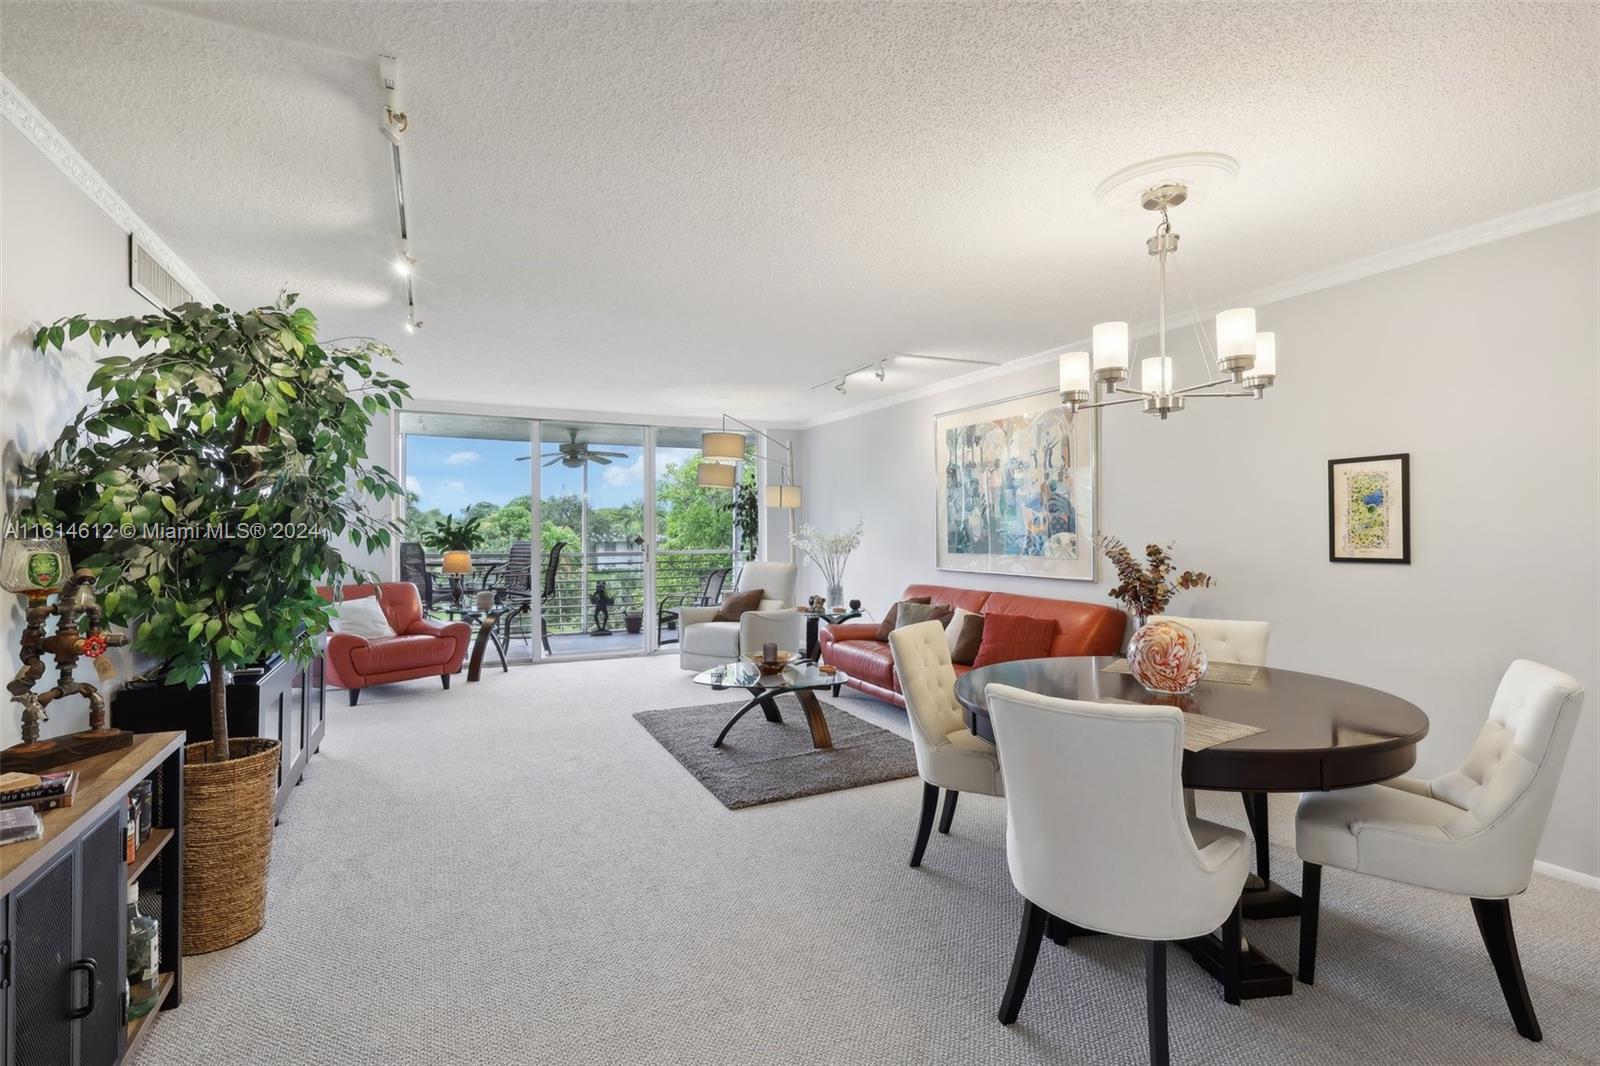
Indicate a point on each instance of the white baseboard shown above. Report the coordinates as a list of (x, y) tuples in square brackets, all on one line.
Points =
[(1561, 873)]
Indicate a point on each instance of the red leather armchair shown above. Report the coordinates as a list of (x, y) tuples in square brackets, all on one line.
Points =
[(420, 647), (1081, 629)]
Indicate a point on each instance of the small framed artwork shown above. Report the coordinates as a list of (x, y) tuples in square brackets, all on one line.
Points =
[(1369, 509)]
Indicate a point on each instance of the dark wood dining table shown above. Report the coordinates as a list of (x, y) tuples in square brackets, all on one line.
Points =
[(1318, 733)]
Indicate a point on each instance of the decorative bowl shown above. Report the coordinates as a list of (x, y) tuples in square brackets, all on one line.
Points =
[(1167, 658), (773, 668)]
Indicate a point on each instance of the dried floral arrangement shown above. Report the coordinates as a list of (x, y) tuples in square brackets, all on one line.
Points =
[(1145, 589)]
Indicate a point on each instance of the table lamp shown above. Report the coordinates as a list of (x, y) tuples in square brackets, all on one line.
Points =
[(457, 564)]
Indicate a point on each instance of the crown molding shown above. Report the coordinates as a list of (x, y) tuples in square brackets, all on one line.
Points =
[(1496, 229), (20, 112)]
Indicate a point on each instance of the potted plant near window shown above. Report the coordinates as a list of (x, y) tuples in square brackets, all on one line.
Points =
[(456, 543), (221, 466)]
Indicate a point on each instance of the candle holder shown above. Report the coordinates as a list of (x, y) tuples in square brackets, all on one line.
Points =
[(28, 568)]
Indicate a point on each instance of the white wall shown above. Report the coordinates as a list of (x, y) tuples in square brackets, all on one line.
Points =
[(1481, 364), (59, 254)]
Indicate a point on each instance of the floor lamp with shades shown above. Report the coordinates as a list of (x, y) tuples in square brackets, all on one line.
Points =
[(722, 451)]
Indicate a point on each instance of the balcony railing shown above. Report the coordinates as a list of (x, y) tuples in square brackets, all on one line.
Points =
[(569, 610)]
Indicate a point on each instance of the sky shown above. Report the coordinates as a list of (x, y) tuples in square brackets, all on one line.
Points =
[(451, 473)]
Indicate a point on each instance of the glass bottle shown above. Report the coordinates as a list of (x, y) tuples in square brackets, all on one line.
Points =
[(144, 958)]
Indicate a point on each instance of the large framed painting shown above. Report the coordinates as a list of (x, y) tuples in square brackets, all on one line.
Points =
[(1016, 488), (1369, 509)]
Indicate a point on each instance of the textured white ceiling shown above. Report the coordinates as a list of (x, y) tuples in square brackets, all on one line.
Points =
[(692, 208)]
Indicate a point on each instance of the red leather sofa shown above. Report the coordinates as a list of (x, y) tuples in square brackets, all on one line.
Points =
[(420, 647), (1081, 629)]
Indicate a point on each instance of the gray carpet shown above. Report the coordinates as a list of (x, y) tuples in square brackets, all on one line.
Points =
[(764, 762), (514, 872)]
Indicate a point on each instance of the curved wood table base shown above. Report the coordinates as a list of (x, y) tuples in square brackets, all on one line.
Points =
[(1319, 733)]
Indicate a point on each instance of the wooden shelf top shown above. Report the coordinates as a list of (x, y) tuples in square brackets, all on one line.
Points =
[(103, 781), (148, 851)]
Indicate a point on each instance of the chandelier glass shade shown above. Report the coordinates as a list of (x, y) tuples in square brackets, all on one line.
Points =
[(1239, 363)]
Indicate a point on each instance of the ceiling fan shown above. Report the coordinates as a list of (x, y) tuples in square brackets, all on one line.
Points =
[(573, 454)]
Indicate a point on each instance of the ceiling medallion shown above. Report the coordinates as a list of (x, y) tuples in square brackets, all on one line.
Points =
[(1198, 172), (1241, 358)]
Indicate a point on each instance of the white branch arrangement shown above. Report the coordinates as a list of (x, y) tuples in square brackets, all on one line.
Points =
[(830, 551)]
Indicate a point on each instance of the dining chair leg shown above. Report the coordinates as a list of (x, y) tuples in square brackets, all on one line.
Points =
[(1494, 922), (948, 814), (1155, 1000), (1232, 957), (1028, 937), (930, 800), (1310, 906)]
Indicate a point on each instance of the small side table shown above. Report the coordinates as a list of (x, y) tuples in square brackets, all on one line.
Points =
[(813, 621), (488, 623)]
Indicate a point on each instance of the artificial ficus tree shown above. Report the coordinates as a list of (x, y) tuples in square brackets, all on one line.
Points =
[(211, 477)]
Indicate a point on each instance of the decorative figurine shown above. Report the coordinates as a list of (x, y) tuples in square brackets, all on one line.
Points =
[(818, 605), (602, 601), (35, 569)]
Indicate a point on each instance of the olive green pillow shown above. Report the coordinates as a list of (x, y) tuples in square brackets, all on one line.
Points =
[(887, 626), (909, 614)]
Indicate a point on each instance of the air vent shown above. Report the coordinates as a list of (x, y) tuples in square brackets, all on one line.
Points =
[(150, 279)]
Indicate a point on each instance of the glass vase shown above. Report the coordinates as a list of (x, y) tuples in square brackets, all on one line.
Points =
[(836, 595)]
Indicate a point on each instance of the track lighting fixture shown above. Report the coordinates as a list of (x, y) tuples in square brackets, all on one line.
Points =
[(880, 367)]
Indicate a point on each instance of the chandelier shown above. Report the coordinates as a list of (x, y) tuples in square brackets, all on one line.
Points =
[(1241, 364)]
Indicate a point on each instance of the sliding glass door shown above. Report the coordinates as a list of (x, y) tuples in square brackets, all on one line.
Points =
[(593, 538), (594, 534), (468, 477)]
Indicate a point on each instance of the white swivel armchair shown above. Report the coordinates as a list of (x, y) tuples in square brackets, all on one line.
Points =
[(1471, 832), (704, 642), (1131, 863), (949, 756), (1228, 640)]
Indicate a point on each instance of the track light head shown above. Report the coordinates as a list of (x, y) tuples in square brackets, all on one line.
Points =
[(404, 265), (882, 369), (839, 388)]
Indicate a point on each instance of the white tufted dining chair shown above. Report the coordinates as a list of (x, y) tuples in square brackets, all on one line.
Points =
[(949, 756), (1229, 640), (1131, 863), (1471, 832)]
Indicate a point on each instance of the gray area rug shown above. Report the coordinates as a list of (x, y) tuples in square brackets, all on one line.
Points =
[(764, 762)]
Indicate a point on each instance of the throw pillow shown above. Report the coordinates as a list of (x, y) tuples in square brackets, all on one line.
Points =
[(738, 604), (964, 634), (362, 618), (887, 626), (1007, 637), (909, 614)]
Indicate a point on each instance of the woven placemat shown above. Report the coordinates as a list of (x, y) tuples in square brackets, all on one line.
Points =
[(1201, 731), (1224, 673)]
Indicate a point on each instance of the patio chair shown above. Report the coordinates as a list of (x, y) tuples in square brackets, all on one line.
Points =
[(710, 593), (516, 586), (414, 568)]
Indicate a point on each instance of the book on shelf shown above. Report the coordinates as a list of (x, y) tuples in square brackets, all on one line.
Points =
[(50, 791), (18, 824)]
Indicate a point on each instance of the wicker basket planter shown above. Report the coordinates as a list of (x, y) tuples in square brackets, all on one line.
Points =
[(227, 840)]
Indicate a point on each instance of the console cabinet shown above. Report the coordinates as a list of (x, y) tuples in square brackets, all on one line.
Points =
[(64, 913), (285, 701)]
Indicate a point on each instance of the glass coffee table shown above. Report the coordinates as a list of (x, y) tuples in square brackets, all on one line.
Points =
[(801, 680)]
